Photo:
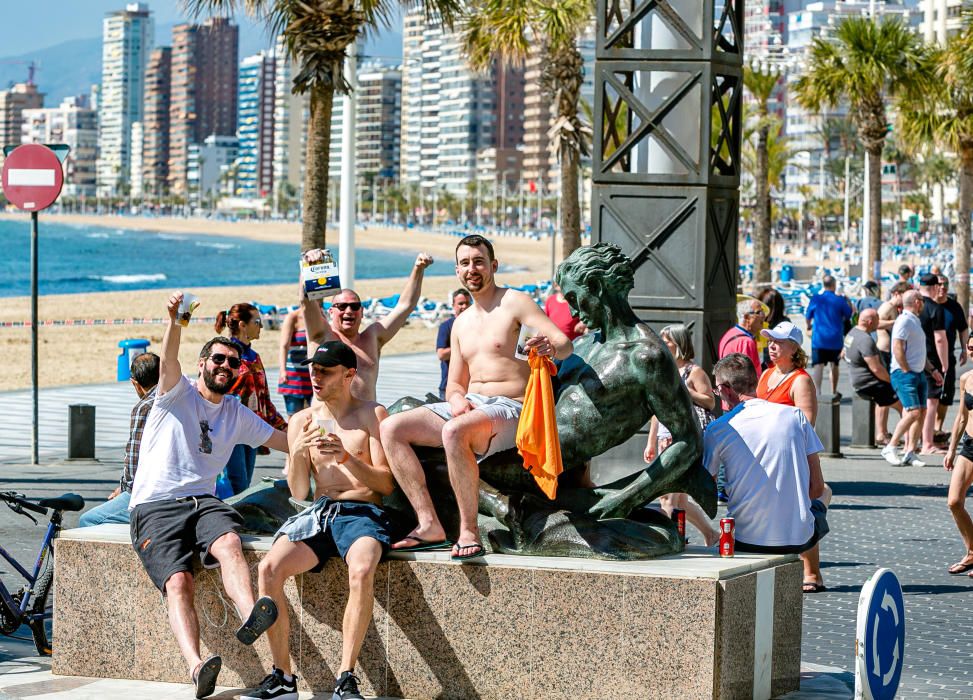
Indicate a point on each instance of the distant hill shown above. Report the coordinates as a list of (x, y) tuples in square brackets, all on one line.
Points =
[(72, 67)]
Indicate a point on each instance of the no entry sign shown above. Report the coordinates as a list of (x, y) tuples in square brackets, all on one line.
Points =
[(32, 177)]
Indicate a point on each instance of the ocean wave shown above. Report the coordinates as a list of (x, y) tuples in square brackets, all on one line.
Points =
[(170, 237), (129, 279), (97, 235), (217, 246)]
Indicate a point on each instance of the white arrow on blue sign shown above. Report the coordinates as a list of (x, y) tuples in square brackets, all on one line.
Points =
[(880, 637)]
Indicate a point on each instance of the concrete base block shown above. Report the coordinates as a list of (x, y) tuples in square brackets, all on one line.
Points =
[(689, 626)]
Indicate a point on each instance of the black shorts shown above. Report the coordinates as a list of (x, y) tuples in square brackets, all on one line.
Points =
[(886, 359), (352, 521), (965, 447), (934, 391), (883, 394), (821, 356), (949, 386), (167, 534)]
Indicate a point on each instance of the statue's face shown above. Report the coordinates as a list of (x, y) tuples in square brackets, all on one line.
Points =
[(583, 303)]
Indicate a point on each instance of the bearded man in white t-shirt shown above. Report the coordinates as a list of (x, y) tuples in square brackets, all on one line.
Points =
[(773, 473), (189, 434)]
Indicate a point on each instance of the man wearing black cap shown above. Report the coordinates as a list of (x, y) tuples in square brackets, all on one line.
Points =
[(335, 442), (933, 320)]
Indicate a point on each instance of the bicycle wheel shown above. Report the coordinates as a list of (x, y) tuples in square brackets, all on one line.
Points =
[(42, 603)]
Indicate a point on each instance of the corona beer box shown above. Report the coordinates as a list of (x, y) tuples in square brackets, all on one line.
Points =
[(321, 278)]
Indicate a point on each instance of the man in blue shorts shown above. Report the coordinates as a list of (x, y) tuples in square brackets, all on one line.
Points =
[(909, 364), (827, 315), (336, 442)]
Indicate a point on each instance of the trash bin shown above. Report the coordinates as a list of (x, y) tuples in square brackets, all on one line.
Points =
[(131, 348), (786, 273)]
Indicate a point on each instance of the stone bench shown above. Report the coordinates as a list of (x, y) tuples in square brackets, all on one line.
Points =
[(690, 626)]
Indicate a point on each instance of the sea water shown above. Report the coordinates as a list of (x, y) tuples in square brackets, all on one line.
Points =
[(76, 258)]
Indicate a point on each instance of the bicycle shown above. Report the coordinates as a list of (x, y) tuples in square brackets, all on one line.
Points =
[(30, 605)]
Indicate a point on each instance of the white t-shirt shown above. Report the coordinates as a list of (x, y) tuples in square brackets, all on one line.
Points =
[(764, 447), (908, 327), (187, 441)]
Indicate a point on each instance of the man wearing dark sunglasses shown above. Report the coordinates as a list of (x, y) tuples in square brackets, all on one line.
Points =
[(189, 434), (344, 323)]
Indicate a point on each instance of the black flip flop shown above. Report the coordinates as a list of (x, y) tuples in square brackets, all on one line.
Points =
[(959, 568), (813, 587), (263, 615), (205, 677), (477, 548), (423, 546)]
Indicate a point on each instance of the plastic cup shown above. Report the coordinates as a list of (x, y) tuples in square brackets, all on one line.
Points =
[(187, 306), (325, 425), (526, 333)]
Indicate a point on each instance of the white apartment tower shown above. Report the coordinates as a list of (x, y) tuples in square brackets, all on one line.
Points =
[(448, 112), (75, 123), (941, 19), (126, 42), (378, 120), (290, 116)]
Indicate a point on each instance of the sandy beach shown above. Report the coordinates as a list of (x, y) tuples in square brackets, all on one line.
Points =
[(87, 354)]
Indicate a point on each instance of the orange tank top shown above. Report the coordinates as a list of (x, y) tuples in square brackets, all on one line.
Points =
[(781, 393)]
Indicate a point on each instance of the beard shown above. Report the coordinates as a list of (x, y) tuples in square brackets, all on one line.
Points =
[(213, 384)]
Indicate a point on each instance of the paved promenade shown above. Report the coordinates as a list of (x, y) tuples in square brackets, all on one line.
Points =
[(881, 516)]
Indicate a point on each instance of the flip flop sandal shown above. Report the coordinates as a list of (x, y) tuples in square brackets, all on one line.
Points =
[(205, 676), (477, 548), (263, 615), (960, 568), (422, 546), (813, 587)]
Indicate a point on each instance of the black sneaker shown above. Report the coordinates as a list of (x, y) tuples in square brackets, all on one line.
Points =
[(274, 686), (347, 687)]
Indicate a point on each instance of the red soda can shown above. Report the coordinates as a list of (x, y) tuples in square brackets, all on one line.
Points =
[(679, 517), (727, 540)]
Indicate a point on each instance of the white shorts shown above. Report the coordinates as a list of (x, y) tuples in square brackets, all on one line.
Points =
[(504, 415)]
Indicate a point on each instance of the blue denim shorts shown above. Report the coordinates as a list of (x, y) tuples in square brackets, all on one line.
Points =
[(910, 388), (345, 525)]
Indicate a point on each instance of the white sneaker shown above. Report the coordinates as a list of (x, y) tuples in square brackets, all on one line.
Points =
[(910, 459), (890, 456)]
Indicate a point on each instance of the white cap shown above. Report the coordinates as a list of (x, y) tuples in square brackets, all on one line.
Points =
[(785, 330)]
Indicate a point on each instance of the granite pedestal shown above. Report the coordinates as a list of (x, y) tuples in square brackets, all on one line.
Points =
[(688, 626)]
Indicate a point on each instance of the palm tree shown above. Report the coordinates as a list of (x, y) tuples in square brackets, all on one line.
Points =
[(317, 34), (943, 116), (760, 83), (863, 64), (934, 172), (510, 32)]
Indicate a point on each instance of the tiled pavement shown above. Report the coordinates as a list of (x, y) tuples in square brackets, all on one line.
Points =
[(880, 516)]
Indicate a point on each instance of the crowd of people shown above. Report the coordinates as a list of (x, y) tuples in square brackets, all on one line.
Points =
[(345, 453)]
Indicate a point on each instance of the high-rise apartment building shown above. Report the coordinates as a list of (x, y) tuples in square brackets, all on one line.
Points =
[(540, 162), (203, 98), (255, 126), (74, 123), (136, 178), (13, 102), (155, 137), (290, 115), (378, 120), (449, 113), (941, 19), (126, 42)]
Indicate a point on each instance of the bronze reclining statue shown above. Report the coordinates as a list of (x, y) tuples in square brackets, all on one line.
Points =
[(619, 377)]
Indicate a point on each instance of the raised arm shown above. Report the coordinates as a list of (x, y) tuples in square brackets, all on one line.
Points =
[(315, 324), (387, 327), (170, 371)]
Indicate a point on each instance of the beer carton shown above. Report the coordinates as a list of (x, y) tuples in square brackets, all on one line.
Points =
[(320, 278)]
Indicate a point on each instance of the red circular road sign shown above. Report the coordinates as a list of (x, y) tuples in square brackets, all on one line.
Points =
[(32, 177)]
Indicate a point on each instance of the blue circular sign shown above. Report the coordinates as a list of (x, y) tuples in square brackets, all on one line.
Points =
[(883, 635)]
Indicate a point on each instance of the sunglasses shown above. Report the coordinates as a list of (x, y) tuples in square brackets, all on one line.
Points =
[(342, 305), (219, 359)]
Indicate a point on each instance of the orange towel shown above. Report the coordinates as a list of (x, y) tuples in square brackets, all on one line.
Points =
[(537, 439)]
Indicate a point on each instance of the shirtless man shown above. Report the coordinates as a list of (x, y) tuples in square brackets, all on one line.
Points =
[(484, 391), (350, 475), (345, 318)]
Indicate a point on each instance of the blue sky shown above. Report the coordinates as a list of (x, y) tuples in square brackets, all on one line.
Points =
[(40, 23)]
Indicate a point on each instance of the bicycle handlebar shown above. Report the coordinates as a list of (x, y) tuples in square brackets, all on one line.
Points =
[(18, 500)]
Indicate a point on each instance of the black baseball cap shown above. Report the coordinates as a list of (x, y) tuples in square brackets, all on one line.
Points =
[(929, 280), (333, 353), (870, 284)]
